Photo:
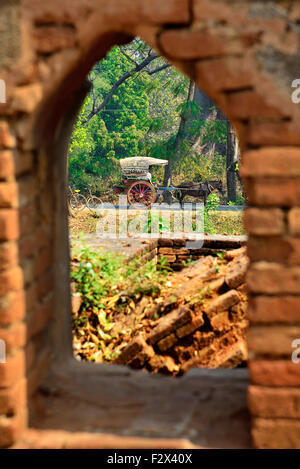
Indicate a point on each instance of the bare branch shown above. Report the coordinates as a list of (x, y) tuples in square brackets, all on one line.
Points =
[(159, 69), (121, 80), (128, 56)]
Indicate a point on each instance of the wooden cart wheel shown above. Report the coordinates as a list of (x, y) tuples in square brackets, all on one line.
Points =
[(141, 194)]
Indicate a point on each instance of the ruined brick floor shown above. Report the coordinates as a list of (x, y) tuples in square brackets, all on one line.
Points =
[(204, 405)]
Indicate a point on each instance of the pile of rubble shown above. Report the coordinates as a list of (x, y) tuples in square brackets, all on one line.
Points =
[(201, 324)]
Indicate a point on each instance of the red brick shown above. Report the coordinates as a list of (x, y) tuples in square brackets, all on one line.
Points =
[(12, 428), (7, 139), (11, 280), (14, 336), (274, 403), (49, 39), (28, 246), (12, 307), (167, 342), (31, 296), (9, 225), (13, 370), (272, 278), (26, 98), (39, 318), (268, 309), (295, 12), (272, 340), (190, 327), (275, 433), (273, 191), (9, 256), (44, 260), (27, 190), (29, 269), (294, 221), (223, 302), (12, 399), (23, 162), (154, 12), (43, 236), (6, 164), (8, 195), (170, 11), (277, 373), (165, 242), (251, 105), (169, 258), (272, 161), (27, 219), (45, 283), (273, 133), (169, 251), (234, 72), (262, 222), (30, 354), (206, 10), (185, 44), (179, 242), (14, 163), (285, 249), (39, 371)]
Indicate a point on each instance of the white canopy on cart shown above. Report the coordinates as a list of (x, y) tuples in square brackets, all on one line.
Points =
[(140, 164)]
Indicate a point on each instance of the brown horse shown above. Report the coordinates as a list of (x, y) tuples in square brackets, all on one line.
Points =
[(201, 189)]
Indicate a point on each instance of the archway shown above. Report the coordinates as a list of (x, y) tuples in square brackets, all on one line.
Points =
[(224, 60)]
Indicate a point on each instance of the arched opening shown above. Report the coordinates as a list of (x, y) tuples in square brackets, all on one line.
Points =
[(130, 304), (55, 144)]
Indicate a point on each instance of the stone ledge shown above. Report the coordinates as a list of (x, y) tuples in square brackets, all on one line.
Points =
[(59, 439), (119, 401)]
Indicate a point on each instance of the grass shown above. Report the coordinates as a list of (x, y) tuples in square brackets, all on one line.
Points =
[(230, 223)]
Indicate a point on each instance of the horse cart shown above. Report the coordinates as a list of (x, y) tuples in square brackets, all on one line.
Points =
[(137, 180), (142, 192)]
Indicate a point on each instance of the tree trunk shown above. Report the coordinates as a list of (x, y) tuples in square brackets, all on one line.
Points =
[(184, 122), (207, 113), (179, 138), (230, 163)]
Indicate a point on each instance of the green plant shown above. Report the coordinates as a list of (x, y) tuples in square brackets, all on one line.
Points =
[(189, 262), (240, 200), (213, 202), (155, 221), (98, 275), (94, 275), (221, 254)]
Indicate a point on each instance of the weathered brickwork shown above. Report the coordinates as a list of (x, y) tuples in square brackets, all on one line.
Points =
[(244, 55), (179, 252)]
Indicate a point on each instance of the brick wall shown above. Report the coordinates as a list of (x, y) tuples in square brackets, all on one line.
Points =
[(244, 54), (177, 252)]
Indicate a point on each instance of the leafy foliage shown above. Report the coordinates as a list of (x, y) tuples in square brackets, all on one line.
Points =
[(213, 201), (98, 274), (141, 117), (156, 221)]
